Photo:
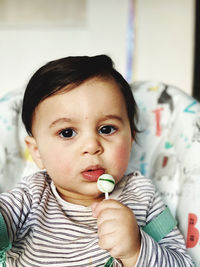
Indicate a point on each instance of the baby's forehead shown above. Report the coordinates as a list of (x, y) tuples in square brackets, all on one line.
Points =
[(96, 89), (99, 92), (107, 80), (90, 81), (93, 102)]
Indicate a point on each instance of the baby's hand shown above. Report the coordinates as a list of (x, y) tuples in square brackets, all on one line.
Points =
[(117, 230)]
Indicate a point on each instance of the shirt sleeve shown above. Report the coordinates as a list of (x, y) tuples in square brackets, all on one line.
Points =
[(169, 251), (15, 208)]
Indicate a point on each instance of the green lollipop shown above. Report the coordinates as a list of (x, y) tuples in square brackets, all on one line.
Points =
[(106, 184)]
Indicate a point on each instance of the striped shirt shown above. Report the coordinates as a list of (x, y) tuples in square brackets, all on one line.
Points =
[(48, 231)]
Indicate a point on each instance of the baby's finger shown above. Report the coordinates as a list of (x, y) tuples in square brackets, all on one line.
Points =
[(105, 204), (107, 227), (107, 241), (108, 215)]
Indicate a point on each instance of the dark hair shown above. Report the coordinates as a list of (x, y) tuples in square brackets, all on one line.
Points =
[(55, 75)]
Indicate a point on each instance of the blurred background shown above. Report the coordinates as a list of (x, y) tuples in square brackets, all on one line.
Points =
[(147, 39)]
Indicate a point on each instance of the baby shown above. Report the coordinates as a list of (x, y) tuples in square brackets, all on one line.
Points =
[(80, 116)]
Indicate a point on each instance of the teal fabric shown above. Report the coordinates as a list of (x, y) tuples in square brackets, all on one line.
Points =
[(161, 226), (109, 263), (5, 243)]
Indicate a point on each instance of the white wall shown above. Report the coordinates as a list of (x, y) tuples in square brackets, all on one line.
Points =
[(22, 50), (164, 41)]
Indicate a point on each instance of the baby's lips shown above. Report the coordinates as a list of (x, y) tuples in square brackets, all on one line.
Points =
[(92, 175)]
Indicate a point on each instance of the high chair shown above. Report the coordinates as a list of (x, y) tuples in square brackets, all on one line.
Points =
[(167, 150)]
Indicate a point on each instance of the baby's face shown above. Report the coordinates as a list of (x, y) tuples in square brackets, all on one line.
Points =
[(80, 134)]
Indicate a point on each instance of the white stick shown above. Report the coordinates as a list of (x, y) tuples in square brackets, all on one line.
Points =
[(106, 195)]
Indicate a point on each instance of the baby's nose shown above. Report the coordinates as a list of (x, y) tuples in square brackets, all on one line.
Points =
[(92, 145)]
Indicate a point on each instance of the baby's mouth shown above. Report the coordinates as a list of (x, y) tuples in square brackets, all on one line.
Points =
[(92, 174)]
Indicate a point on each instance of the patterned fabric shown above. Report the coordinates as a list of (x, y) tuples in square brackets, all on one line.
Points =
[(15, 162), (45, 230), (168, 151)]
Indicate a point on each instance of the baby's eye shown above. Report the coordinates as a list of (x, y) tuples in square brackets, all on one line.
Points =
[(67, 133), (107, 129)]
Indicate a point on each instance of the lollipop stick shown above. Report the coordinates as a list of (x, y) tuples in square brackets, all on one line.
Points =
[(106, 195)]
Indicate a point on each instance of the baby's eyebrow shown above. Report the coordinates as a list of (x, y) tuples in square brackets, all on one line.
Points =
[(104, 118), (111, 117), (60, 120)]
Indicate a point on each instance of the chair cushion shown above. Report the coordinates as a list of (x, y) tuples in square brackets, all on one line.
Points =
[(168, 151)]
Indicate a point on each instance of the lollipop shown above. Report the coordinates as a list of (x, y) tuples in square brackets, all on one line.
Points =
[(106, 184)]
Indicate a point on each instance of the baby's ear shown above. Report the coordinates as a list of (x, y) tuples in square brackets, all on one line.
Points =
[(34, 151)]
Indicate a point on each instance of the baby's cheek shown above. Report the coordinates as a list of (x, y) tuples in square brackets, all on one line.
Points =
[(60, 169), (122, 155)]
